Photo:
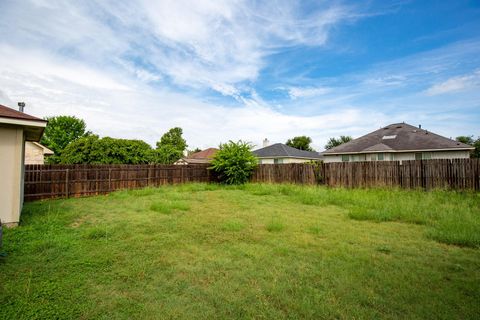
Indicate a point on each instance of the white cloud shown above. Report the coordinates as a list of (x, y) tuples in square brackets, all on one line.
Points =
[(455, 84), (195, 43), (145, 113), (134, 69), (306, 92)]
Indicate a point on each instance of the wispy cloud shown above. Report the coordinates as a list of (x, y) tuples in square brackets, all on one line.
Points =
[(455, 84), (306, 92)]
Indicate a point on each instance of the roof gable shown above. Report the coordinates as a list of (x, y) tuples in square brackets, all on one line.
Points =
[(204, 154), (284, 151), (398, 137)]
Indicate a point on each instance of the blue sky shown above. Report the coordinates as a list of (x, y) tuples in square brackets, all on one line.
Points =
[(229, 70)]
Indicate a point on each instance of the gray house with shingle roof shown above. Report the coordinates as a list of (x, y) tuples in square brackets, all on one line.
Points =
[(398, 141), (281, 153)]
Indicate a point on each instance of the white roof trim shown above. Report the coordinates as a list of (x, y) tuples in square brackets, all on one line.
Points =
[(25, 123)]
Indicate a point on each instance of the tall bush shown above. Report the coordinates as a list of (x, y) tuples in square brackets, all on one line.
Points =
[(234, 162), (93, 150)]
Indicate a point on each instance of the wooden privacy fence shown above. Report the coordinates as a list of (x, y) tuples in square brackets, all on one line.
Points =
[(285, 173), (53, 181), (459, 174)]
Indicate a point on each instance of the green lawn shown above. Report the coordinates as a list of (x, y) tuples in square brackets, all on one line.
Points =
[(257, 251)]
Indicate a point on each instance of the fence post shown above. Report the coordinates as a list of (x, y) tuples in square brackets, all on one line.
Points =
[(109, 179), (66, 182), (148, 175), (96, 181)]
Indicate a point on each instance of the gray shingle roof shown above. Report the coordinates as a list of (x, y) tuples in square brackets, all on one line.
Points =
[(283, 151), (399, 137)]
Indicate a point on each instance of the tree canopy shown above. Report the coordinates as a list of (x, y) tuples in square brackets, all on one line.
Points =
[(465, 139), (234, 162), (471, 141), (60, 131), (300, 142), (171, 146), (334, 142), (94, 150)]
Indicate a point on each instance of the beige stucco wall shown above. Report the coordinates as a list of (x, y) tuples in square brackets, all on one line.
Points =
[(11, 173), (403, 156), (33, 153), (451, 155), (284, 160)]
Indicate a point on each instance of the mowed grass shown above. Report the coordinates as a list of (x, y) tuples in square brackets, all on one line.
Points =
[(202, 251)]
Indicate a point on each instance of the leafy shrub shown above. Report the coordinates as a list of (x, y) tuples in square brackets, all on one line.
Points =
[(93, 150), (234, 162)]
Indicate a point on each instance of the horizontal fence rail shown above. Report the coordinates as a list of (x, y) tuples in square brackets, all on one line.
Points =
[(54, 181)]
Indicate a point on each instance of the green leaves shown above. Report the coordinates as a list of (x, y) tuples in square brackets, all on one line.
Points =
[(471, 141), (334, 142), (61, 131), (300, 142), (234, 162), (93, 150), (170, 147)]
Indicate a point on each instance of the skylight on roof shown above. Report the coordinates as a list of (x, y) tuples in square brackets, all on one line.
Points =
[(389, 137)]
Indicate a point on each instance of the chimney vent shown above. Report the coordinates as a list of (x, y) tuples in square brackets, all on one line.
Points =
[(419, 126), (21, 106), (266, 143)]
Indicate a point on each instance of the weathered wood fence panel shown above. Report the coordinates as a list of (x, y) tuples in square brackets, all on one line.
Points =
[(458, 174), (53, 181), (285, 173)]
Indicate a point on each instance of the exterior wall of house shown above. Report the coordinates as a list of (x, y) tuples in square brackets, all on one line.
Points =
[(462, 154), (33, 153), (11, 174), (282, 160), (401, 156)]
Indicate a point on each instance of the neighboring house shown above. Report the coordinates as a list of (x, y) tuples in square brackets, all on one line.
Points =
[(281, 153), (35, 153), (398, 141), (15, 128), (204, 156)]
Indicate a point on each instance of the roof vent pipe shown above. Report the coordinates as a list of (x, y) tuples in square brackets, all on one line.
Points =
[(21, 106), (419, 126)]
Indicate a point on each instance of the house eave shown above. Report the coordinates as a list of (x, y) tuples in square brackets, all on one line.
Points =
[(398, 151), (289, 157)]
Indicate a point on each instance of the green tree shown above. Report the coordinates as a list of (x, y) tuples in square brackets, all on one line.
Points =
[(93, 150), (476, 152), (60, 131), (171, 146), (474, 143), (300, 142), (335, 142), (465, 139), (234, 162)]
